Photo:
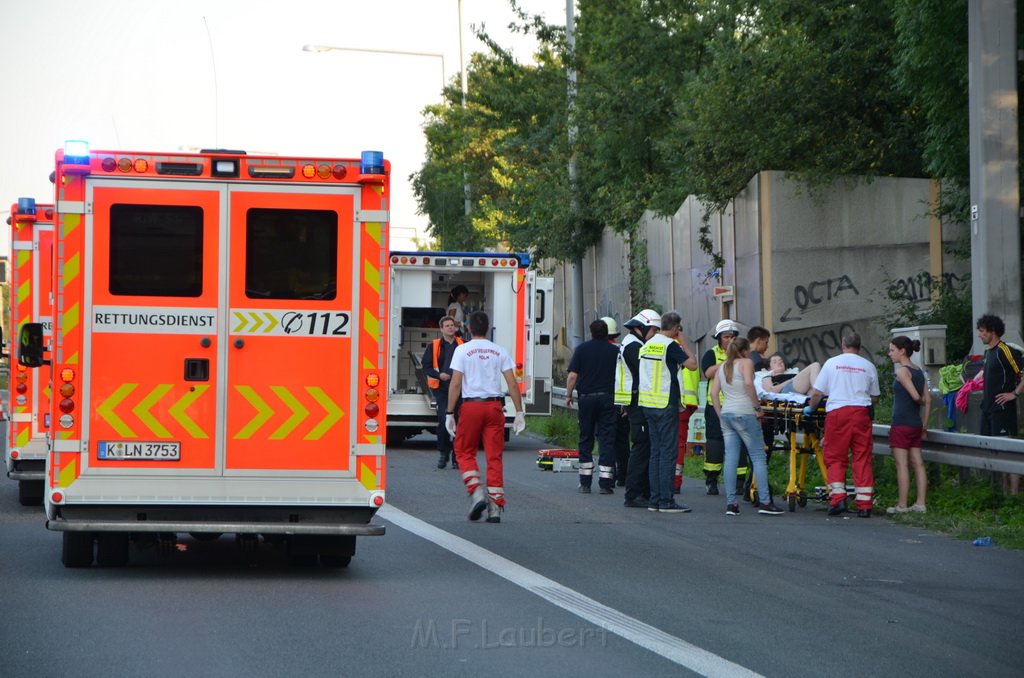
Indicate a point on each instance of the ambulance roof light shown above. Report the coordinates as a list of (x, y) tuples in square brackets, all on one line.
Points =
[(76, 156), (371, 162), (74, 148), (26, 205)]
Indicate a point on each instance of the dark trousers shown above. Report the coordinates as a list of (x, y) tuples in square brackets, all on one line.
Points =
[(714, 449), (444, 441), (621, 445), (597, 415), (638, 482)]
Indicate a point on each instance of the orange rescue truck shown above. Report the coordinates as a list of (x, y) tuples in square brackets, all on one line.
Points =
[(219, 350), (31, 233)]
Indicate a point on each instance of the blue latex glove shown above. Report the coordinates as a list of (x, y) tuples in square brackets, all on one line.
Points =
[(808, 411)]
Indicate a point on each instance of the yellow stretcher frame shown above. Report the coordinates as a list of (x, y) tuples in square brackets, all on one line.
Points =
[(788, 419)]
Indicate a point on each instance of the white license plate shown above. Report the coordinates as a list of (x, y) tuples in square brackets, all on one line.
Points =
[(130, 450)]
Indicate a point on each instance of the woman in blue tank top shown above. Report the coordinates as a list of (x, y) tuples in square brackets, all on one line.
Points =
[(911, 403)]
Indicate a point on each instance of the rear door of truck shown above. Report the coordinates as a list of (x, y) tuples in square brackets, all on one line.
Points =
[(221, 338)]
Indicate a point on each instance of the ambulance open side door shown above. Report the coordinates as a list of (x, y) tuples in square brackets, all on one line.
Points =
[(540, 352)]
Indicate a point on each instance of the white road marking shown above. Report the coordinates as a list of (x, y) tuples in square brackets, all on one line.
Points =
[(646, 636)]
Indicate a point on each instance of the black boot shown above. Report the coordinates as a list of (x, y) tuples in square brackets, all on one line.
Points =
[(711, 482)]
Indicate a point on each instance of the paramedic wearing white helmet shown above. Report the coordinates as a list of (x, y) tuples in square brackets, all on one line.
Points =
[(621, 422), (714, 451), (642, 327)]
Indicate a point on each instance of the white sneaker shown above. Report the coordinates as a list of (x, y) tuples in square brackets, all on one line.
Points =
[(894, 510), (918, 508), (477, 502), (493, 512)]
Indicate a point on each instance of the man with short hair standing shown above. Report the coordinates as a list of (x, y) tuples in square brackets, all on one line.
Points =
[(437, 360), (851, 384), (659, 396), (1001, 371), (478, 368), (758, 337), (592, 375)]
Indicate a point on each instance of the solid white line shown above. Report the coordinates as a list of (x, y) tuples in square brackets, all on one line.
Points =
[(646, 636)]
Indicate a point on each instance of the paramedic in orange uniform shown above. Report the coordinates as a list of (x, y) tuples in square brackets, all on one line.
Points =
[(436, 363), (478, 368)]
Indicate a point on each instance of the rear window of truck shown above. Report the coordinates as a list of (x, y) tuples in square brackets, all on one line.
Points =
[(156, 250), (291, 254)]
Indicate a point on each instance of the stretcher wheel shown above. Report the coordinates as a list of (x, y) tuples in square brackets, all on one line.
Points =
[(792, 503), (801, 501)]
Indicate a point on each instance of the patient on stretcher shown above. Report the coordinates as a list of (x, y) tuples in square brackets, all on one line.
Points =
[(783, 381)]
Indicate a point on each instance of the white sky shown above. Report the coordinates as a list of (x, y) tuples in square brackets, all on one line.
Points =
[(140, 75)]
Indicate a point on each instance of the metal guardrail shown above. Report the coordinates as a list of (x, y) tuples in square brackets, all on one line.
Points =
[(965, 450)]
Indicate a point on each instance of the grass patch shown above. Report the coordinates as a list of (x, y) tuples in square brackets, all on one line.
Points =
[(561, 429)]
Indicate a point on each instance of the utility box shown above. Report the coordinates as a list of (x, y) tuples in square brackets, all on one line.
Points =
[(933, 343)]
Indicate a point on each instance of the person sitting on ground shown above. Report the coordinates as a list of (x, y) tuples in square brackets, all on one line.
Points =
[(781, 381)]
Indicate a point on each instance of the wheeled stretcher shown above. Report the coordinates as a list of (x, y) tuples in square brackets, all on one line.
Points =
[(801, 436)]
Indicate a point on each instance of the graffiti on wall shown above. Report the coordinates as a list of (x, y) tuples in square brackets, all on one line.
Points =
[(818, 293), (918, 288), (802, 348)]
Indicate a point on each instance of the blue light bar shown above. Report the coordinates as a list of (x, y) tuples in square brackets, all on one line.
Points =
[(76, 152), (371, 162), (26, 205)]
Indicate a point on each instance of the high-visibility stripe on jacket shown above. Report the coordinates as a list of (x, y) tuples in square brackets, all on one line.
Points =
[(623, 376), (720, 357), (689, 382), (431, 381), (655, 379)]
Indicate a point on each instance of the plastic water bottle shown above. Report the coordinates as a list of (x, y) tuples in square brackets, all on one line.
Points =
[(982, 541)]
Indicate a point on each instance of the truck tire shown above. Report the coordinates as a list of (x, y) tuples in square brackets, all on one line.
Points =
[(396, 435), (30, 492), (111, 549), (336, 551), (76, 549)]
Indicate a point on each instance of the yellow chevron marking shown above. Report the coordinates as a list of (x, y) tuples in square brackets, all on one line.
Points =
[(24, 290), (367, 477), (374, 229), (72, 267), (257, 321), (271, 322), (23, 437), (46, 391), (73, 360), (263, 412), (142, 411), (68, 474), (177, 411), (299, 412), (107, 407), (71, 222), (64, 435), (71, 318), (243, 321), (24, 256), (371, 274), (334, 413), (368, 364), (370, 325)]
